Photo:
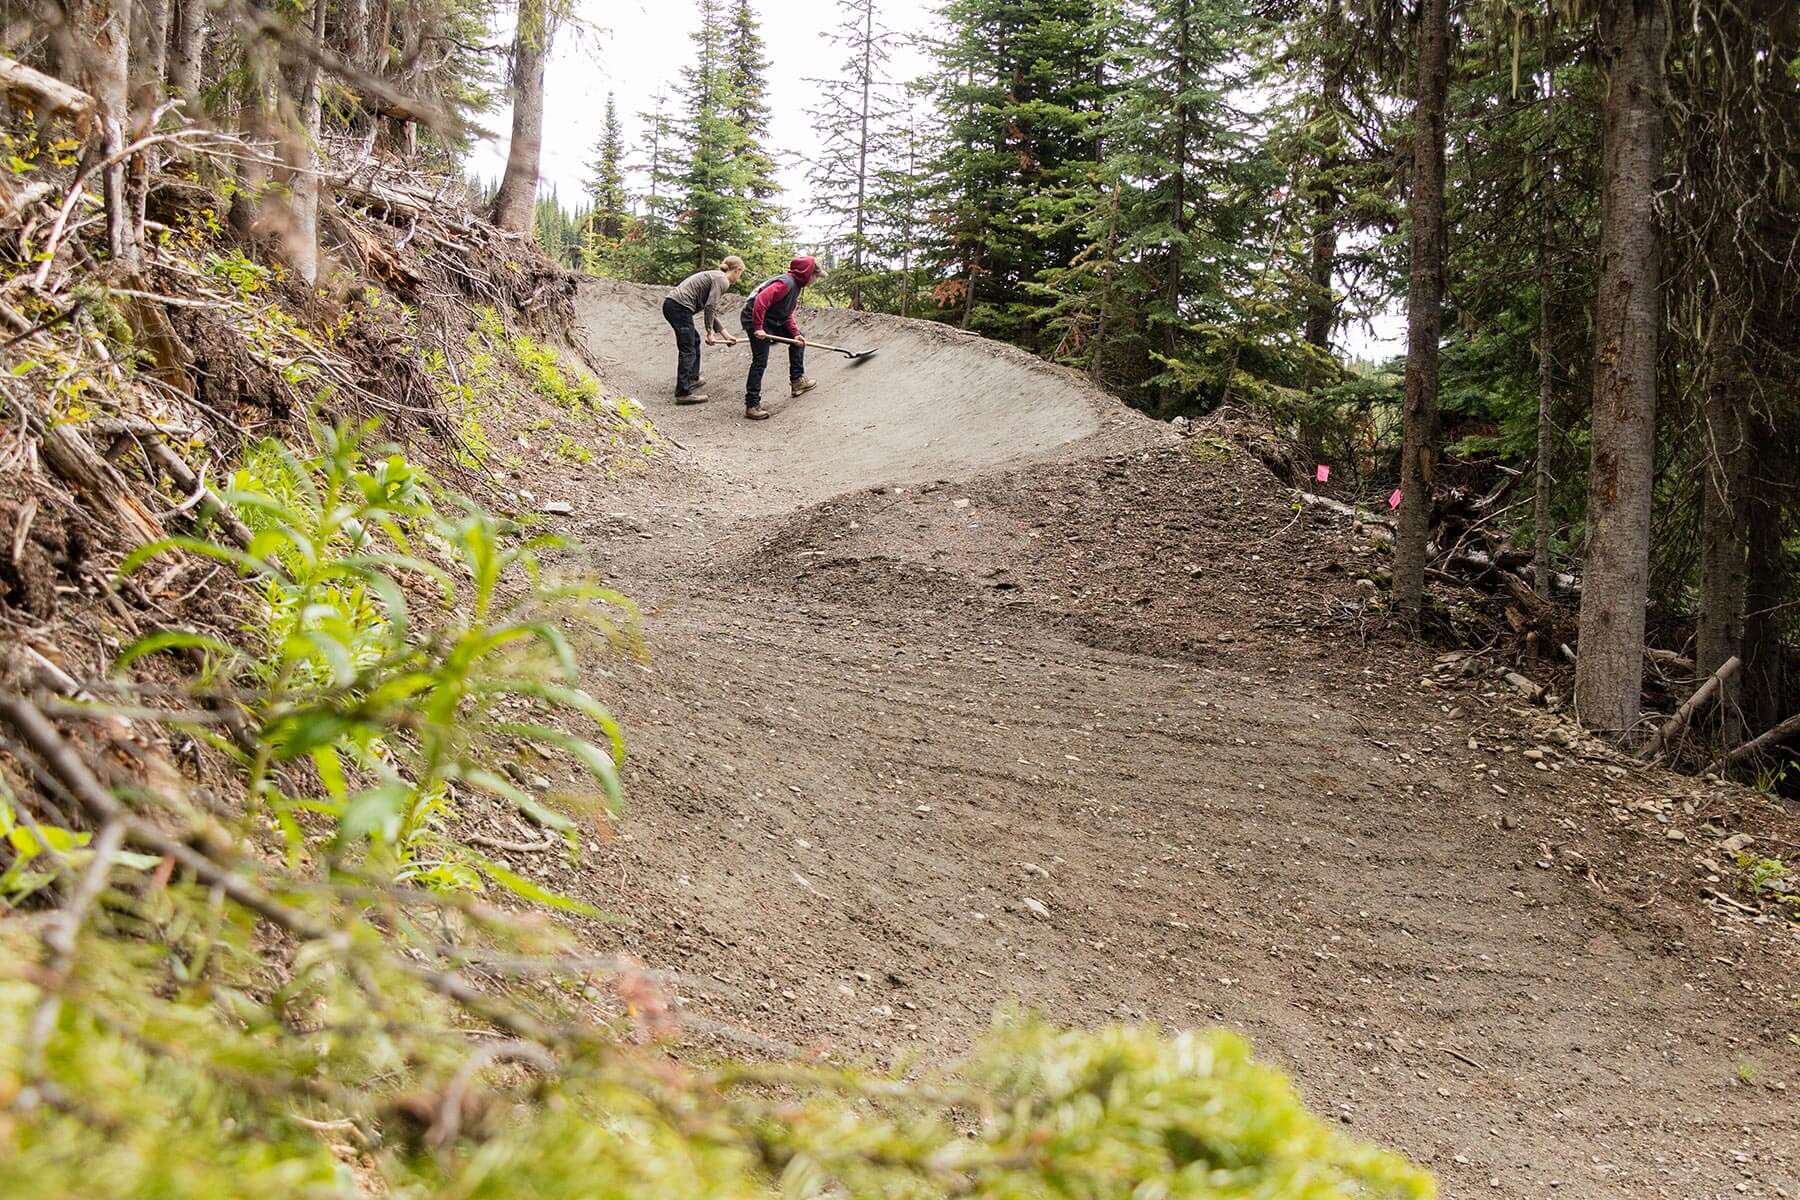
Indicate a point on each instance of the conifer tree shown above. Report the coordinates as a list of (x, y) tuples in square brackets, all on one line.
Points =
[(606, 177), (1021, 88), (854, 118), (1176, 296), (713, 212), (1424, 307), (747, 84), (661, 150), (899, 196)]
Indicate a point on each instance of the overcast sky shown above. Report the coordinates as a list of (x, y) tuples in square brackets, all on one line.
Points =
[(630, 48)]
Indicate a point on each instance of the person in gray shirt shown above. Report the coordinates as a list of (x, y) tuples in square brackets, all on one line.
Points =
[(698, 293)]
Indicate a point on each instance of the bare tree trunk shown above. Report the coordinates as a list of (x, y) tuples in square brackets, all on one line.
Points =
[(353, 44), (906, 221), (356, 33), (148, 62), (150, 50), (253, 172), (1765, 696), (1542, 567), (1096, 370), (187, 45), (1628, 320), (862, 152), (1178, 160), (969, 296), (517, 197), (1321, 310), (1424, 310), (106, 74), (1724, 522), (302, 155)]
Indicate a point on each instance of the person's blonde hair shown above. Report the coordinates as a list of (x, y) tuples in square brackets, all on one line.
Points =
[(732, 263)]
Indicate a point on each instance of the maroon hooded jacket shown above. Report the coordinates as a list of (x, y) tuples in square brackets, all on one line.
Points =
[(771, 306)]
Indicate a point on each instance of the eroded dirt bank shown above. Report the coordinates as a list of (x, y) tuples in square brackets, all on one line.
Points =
[(967, 688)]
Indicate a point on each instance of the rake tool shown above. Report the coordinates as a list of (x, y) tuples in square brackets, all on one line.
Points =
[(855, 356)]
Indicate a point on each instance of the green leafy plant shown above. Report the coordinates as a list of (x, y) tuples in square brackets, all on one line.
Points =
[(246, 276), (394, 717), (1769, 879), (36, 849)]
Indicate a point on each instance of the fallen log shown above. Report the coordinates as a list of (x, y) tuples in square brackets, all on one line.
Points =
[(1668, 662), (1757, 744), (46, 92), (1705, 692), (1382, 527), (68, 452), (1482, 561), (184, 475)]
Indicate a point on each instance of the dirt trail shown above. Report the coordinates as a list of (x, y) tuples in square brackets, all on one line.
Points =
[(1090, 726)]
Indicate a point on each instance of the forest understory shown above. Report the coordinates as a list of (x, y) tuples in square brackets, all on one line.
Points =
[(432, 763)]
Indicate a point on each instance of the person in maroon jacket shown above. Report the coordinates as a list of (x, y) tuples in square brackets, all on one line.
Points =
[(770, 310)]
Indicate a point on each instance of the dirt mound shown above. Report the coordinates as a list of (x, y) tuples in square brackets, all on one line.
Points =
[(1017, 699), (935, 403)]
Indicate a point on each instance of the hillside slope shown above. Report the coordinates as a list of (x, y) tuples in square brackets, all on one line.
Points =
[(968, 688)]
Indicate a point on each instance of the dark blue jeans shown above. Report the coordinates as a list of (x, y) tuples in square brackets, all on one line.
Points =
[(759, 361), (687, 346)]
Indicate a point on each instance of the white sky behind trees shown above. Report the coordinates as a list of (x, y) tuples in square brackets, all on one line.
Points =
[(633, 47)]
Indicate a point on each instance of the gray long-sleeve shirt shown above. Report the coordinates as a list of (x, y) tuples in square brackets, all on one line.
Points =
[(701, 292)]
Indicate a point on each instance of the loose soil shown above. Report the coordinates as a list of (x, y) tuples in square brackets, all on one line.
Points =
[(966, 688)]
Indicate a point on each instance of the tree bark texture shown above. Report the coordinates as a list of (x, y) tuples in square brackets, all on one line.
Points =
[(1765, 683), (1628, 321), (107, 74), (1543, 522), (301, 152), (187, 46), (1321, 308), (1724, 521), (1424, 310), (517, 197), (1177, 213)]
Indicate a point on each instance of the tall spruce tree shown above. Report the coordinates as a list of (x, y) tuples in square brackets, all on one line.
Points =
[(747, 84), (606, 177), (714, 216), (1177, 295), (1021, 89), (728, 188), (855, 118)]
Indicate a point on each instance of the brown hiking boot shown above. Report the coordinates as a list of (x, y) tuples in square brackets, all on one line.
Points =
[(803, 385), (755, 412), (691, 398)]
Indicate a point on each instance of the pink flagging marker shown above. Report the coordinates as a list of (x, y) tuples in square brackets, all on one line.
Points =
[(1323, 473), (1394, 500)]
